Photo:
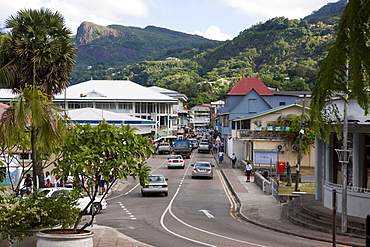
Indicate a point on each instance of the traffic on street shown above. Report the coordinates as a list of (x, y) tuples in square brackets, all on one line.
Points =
[(196, 212)]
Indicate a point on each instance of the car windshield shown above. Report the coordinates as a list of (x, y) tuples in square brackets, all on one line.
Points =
[(202, 165), (204, 143), (164, 144), (176, 157), (156, 178)]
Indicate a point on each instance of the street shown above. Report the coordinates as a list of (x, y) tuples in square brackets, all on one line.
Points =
[(197, 212)]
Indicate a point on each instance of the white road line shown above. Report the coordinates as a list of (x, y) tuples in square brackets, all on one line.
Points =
[(169, 209), (207, 213)]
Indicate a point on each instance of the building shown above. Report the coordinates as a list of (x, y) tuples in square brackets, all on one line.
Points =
[(328, 172), (243, 122), (201, 116), (118, 96)]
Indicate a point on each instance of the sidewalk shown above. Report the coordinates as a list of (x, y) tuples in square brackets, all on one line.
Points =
[(263, 210)]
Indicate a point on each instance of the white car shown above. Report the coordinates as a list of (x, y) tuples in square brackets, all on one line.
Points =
[(175, 161), (98, 205)]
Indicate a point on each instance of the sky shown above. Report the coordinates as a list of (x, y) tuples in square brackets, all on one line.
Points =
[(212, 19)]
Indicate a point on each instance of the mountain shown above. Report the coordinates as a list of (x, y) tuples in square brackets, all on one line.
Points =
[(120, 45), (328, 14), (284, 53)]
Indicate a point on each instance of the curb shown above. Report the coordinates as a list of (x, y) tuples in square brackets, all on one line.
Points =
[(244, 217)]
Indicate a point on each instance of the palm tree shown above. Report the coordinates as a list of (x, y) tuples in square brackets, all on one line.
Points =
[(37, 51), (33, 113)]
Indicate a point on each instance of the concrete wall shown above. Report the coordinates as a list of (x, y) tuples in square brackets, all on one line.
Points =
[(358, 204)]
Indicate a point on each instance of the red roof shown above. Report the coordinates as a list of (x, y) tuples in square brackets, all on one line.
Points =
[(245, 85)]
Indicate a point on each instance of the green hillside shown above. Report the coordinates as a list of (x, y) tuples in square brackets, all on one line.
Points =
[(284, 53)]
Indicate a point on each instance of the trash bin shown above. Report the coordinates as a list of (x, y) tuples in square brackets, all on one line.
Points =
[(265, 174)]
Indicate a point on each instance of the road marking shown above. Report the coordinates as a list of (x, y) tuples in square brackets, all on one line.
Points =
[(207, 213), (169, 210)]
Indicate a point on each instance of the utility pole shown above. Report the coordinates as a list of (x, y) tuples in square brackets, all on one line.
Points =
[(301, 132)]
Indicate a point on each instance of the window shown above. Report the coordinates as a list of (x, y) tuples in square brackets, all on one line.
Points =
[(126, 106), (282, 103), (108, 106), (252, 105)]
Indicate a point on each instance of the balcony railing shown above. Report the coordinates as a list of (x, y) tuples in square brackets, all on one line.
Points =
[(260, 134)]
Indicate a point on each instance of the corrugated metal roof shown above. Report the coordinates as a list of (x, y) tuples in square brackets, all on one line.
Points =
[(267, 112), (112, 90), (245, 85)]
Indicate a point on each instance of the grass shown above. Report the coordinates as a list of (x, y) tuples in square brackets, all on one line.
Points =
[(307, 171), (303, 187)]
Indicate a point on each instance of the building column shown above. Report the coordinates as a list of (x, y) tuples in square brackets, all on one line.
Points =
[(319, 168), (356, 160)]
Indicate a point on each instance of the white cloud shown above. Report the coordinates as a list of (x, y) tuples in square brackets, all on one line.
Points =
[(267, 9), (75, 12), (214, 33)]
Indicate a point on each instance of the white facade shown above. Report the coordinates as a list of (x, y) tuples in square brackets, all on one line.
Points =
[(118, 96), (328, 169)]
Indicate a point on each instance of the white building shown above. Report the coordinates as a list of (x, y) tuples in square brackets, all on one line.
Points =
[(117, 96)]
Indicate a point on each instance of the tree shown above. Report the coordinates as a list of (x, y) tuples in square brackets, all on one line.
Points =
[(33, 123), (105, 152), (37, 51), (348, 58)]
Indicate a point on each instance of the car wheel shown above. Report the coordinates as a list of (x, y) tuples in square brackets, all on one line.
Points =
[(168, 167), (192, 177), (95, 208), (165, 193), (183, 167), (143, 194)]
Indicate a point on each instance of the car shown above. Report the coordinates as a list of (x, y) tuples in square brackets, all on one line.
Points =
[(98, 205), (164, 148), (194, 143), (175, 161), (202, 169), (157, 185), (204, 147)]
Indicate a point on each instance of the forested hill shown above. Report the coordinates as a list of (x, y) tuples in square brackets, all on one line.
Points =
[(117, 45), (284, 53)]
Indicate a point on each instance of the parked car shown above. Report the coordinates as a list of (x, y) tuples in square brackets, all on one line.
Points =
[(164, 148), (98, 205), (204, 147), (202, 169), (175, 161), (157, 185)]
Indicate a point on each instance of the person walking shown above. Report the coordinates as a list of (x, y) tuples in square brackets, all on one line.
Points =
[(220, 157), (248, 171), (233, 160), (288, 174)]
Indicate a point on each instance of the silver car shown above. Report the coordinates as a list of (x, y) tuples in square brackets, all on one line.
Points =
[(202, 169), (157, 185)]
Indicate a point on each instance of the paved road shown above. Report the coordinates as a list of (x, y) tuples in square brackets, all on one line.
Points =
[(197, 212)]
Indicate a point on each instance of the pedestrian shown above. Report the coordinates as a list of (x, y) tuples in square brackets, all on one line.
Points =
[(288, 174), (28, 183), (57, 181), (48, 184), (101, 185), (248, 171), (47, 176), (220, 157), (233, 160)]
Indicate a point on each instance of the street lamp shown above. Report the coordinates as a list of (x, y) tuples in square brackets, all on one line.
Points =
[(343, 156)]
